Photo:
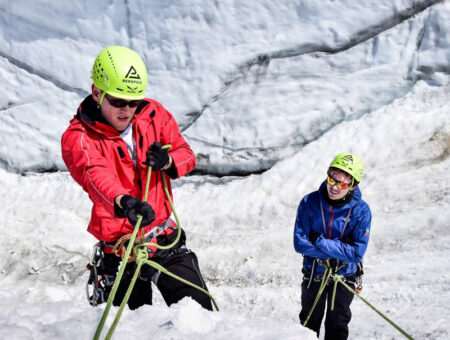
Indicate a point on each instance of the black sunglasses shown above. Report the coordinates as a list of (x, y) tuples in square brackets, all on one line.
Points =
[(119, 103)]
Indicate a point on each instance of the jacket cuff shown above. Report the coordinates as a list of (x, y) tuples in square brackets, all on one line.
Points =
[(172, 171), (181, 165), (118, 212)]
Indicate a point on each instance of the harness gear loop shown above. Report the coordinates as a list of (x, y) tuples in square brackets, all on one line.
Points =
[(312, 273), (98, 285)]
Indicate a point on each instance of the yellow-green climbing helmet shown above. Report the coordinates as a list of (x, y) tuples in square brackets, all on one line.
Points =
[(120, 72), (350, 164)]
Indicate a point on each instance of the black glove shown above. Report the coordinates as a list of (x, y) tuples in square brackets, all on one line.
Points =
[(313, 236), (157, 157), (132, 207), (348, 239)]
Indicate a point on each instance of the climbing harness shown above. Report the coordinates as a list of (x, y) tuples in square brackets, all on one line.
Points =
[(119, 247), (156, 231), (329, 276), (99, 284), (141, 253)]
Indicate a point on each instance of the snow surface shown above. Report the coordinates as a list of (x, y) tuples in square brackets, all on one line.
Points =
[(268, 89)]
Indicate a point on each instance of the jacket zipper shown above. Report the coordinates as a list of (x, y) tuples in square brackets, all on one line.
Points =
[(330, 224)]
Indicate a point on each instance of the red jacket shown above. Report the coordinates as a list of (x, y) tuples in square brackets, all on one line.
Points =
[(98, 159)]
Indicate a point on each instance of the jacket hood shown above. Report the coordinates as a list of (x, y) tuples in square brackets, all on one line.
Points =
[(89, 113)]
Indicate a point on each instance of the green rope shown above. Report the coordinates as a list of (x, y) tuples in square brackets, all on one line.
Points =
[(166, 190), (124, 302), (141, 258), (334, 294), (325, 278), (338, 278), (123, 265), (165, 271), (116, 282)]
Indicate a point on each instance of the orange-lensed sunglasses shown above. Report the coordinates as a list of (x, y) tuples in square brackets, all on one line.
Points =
[(333, 181)]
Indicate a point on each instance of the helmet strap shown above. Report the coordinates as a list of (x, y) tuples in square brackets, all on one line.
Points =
[(99, 104)]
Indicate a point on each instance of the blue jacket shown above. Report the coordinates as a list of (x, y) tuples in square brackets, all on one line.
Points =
[(329, 245)]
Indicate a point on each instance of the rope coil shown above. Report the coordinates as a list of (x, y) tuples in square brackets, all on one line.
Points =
[(120, 248)]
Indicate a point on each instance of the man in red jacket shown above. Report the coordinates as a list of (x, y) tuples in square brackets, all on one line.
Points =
[(115, 136)]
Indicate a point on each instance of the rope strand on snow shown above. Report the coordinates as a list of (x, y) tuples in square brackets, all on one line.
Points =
[(338, 279)]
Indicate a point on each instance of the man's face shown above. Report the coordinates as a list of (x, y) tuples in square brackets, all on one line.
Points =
[(118, 117), (333, 191)]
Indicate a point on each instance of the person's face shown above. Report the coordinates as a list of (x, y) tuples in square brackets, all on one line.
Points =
[(118, 117), (333, 191)]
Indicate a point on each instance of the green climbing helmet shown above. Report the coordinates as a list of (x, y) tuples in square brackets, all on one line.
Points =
[(120, 72), (350, 164)]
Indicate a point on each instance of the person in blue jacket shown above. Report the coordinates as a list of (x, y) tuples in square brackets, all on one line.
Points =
[(332, 229)]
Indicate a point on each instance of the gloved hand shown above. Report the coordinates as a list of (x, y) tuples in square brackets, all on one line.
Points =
[(313, 236), (157, 157), (348, 239), (132, 207)]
